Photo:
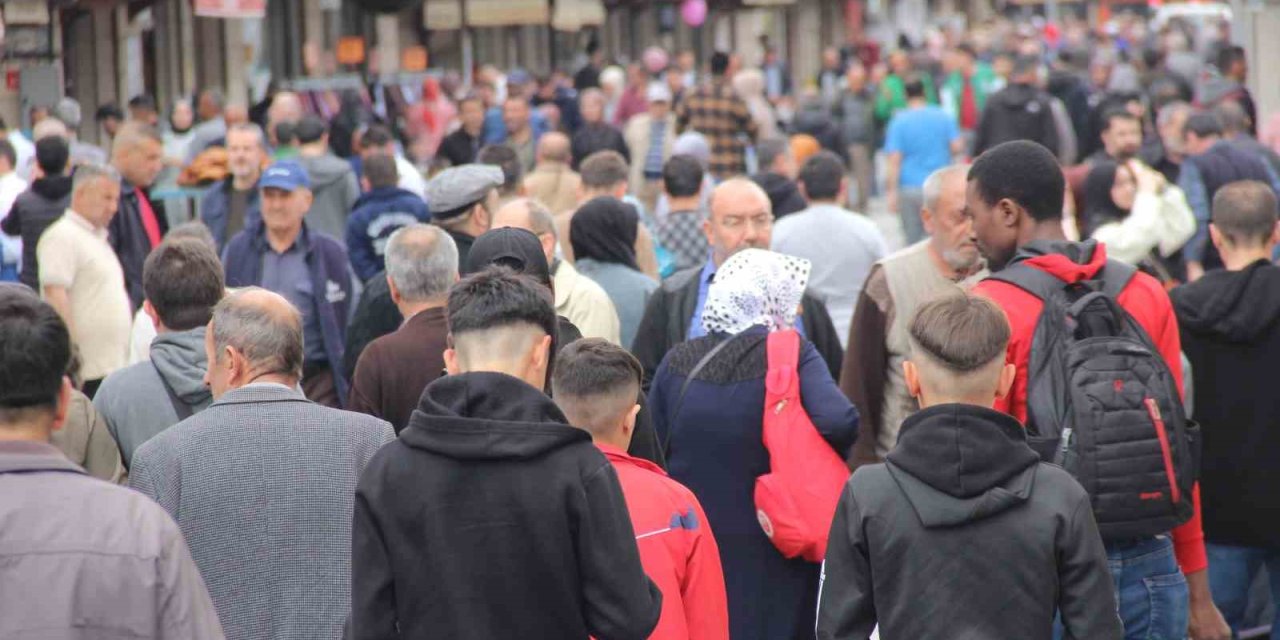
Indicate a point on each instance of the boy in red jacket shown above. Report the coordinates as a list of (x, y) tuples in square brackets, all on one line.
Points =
[(1015, 196), (596, 384)]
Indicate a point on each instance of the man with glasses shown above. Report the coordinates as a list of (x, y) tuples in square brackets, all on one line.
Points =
[(741, 217)]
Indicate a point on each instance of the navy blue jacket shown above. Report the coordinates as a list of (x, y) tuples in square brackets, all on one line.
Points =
[(330, 279), (215, 208), (376, 215)]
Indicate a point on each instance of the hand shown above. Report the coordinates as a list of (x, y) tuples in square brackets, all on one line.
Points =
[(1195, 271), (1149, 181), (1207, 622)]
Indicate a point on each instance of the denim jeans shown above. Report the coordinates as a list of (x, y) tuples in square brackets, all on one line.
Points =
[(1150, 588), (910, 200), (1231, 573)]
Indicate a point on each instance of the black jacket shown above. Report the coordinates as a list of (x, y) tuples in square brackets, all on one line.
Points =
[(460, 148), (1230, 326), (964, 533), (1017, 112), (670, 310), (129, 238), (590, 138), (32, 213), (783, 194), (491, 517)]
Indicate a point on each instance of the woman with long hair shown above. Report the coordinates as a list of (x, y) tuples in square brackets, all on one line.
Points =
[(1140, 218)]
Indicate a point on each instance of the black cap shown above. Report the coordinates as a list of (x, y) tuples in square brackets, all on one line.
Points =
[(516, 249)]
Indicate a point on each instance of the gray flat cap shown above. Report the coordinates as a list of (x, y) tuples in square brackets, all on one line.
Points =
[(457, 187)]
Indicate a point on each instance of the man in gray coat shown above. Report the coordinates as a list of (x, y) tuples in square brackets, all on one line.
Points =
[(263, 482), (182, 280), (333, 183), (81, 558)]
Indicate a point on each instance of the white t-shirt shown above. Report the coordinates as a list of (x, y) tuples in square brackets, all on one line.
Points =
[(76, 255), (411, 179)]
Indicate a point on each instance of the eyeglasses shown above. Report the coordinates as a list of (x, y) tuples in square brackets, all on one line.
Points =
[(734, 223)]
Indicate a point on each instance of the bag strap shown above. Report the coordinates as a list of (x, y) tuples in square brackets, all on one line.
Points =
[(1036, 282), (693, 374), (784, 365), (183, 410), (1116, 276)]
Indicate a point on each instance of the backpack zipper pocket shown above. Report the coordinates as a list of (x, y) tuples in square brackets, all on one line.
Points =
[(1153, 410)]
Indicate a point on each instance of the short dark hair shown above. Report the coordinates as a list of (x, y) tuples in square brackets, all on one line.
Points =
[(719, 63), (1245, 212), (967, 49), (1024, 64), (821, 176), (107, 111), (914, 87), (769, 149), (603, 169), (1024, 172), (682, 176), (380, 170), (182, 279), (497, 297), (7, 150), (52, 154), (35, 349), (1204, 124), (595, 381), (1117, 113), (286, 132), (1228, 56), (311, 129), (376, 136), (504, 157), (143, 101), (961, 332)]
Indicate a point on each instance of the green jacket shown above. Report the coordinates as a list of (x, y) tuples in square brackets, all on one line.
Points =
[(892, 96), (985, 82)]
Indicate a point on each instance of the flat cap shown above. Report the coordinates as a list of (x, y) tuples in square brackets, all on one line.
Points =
[(458, 187)]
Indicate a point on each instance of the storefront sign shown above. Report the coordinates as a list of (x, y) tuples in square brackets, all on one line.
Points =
[(350, 50), (231, 8)]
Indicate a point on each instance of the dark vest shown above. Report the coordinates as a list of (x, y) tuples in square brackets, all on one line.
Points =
[(1221, 165)]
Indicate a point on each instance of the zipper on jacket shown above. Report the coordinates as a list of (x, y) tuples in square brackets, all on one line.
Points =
[(1153, 410)]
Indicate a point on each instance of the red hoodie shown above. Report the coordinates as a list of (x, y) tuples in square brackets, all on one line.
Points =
[(677, 550), (1148, 303)]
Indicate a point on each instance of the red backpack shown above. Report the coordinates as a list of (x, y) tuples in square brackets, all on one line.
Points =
[(796, 500)]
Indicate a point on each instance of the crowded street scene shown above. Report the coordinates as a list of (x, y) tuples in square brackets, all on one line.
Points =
[(624, 319)]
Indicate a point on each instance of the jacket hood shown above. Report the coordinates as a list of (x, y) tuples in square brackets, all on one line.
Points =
[(1237, 305), (389, 196), (1016, 97), (180, 359), (488, 416), (783, 193), (325, 170), (960, 463), (1068, 261), (52, 187)]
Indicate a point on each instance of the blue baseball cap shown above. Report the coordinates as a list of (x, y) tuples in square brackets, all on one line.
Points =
[(285, 174)]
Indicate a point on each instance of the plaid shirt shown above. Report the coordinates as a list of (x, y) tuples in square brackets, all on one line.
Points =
[(716, 112)]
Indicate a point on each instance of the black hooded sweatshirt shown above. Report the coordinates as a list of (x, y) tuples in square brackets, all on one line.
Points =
[(491, 517), (1017, 112), (1230, 327), (33, 212), (964, 533)]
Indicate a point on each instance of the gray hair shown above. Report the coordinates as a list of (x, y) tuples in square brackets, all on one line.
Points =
[(932, 188), (422, 261), (86, 173), (1170, 111), (541, 220), (249, 127), (68, 111), (195, 230), (269, 340)]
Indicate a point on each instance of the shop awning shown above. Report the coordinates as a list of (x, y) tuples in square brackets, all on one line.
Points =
[(573, 15)]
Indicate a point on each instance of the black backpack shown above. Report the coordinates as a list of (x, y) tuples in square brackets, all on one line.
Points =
[(1102, 403)]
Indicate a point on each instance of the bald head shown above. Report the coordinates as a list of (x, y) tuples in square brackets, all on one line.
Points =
[(530, 215), (254, 333), (554, 147), (285, 107), (741, 218), (236, 114)]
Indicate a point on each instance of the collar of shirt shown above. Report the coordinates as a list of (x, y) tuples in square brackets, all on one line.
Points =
[(77, 219), (27, 455), (614, 454), (300, 243), (708, 274)]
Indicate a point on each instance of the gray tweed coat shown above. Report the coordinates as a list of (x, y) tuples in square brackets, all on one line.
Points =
[(262, 484)]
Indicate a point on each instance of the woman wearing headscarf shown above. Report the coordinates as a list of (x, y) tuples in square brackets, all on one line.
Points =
[(713, 436), (1140, 218), (749, 85), (603, 234)]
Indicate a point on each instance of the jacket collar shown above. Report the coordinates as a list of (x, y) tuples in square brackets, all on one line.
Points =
[(26, 456), (260, 244), (256, 393), (618, 456)]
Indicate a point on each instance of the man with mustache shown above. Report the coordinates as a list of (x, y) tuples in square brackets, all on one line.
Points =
[(945, 261)]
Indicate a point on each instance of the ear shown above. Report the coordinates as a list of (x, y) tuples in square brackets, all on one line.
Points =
[(541, 354), (395, 293), (620, 191), (1010, 213), (64, 404), (926, 218), (1216, 236), (629, 422), (150, 310), (844, 190), (365, 185), (1275, 234), (912, 376), (706, 230), (1007, 374), (481, 217), (804, 192), (451, 361)]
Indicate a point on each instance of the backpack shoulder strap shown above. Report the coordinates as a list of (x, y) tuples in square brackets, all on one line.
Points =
[(784, 365), (693, 374), (1036, 282), (1116, 276)]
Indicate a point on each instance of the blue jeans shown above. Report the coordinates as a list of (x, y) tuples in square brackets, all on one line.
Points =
[(1151, 591), (1232, 571)]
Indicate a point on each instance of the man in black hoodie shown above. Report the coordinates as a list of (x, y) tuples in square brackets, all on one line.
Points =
[(491, 517), (963, 532), (1228, 322), (1020, 111), (41, 205)]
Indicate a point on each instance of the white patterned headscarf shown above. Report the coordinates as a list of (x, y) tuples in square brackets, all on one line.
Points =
[(755, 287)]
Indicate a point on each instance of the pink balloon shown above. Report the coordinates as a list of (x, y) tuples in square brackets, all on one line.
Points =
[(694, 12), (655, 59)]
